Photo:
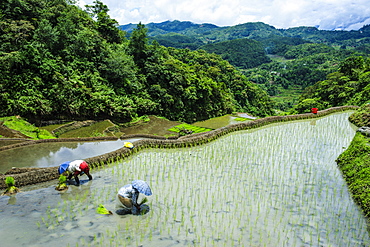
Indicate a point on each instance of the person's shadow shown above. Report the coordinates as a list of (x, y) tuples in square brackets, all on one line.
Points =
[(73, 182), (144, 209)]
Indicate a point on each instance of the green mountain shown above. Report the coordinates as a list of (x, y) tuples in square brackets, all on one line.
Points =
[(283, 62), (209, 33), (181, 27), (282, 42)]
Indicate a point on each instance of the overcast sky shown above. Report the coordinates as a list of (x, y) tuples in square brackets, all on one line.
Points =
[(324, 14)]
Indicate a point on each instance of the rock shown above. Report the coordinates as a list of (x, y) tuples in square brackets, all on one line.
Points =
[(364, 130)]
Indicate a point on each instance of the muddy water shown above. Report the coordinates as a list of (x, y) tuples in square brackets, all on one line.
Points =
[(273, 186), (53, 154)]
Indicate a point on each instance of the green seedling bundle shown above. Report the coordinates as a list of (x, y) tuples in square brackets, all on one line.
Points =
[(11, 189)]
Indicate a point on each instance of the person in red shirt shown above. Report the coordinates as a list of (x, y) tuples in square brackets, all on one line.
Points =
[(75, 168)]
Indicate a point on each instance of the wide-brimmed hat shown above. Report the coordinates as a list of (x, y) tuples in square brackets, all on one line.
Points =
[(142, 187)]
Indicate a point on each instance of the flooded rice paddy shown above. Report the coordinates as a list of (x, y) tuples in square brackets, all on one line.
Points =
[(218, 122), (54, 153), (272, 186)]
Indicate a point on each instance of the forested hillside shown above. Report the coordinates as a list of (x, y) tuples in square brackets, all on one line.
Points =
[(246, 53), (283, 62), (350, 85), (209, 33), (60, 62)]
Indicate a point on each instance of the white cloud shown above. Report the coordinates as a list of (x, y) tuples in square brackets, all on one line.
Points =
[(327, 14)]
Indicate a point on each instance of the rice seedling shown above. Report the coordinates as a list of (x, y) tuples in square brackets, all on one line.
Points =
[(11, 190)]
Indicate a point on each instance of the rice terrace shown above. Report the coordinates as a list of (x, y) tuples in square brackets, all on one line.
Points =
[(205, 126), (271, 185)]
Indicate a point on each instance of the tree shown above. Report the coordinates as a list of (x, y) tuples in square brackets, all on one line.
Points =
[(106, 26), (351, 66), (306, 105), (138, 44)]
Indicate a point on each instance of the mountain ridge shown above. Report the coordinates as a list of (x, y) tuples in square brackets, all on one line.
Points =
[(210, 33), (169, 24)]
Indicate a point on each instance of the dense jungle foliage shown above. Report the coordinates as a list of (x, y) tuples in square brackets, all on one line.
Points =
[(60, 62), (361, 117), (240, 52), (350, 85)]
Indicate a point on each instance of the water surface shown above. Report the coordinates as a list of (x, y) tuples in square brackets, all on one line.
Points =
[(54, 153)]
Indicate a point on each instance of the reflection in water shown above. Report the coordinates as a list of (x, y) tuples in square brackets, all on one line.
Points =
[(144, 209), (246, 115), (12, 200), (53, 154)]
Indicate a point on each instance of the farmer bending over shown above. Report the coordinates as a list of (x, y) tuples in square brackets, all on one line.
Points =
[(128, 195), (75, 168)]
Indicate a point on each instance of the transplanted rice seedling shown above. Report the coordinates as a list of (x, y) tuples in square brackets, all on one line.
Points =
[(11, 189)]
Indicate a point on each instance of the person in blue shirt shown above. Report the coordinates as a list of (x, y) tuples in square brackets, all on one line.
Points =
[(126, 203)]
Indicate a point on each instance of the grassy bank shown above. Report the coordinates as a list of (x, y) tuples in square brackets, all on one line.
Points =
[(354, 164), (21, 125)]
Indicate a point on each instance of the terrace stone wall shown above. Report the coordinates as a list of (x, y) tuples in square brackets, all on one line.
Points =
[(28, 176)]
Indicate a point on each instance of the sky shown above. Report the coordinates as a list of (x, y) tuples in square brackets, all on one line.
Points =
[(323, 14)]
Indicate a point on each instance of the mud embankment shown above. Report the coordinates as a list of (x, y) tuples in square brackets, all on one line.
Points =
[(28, 176)]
